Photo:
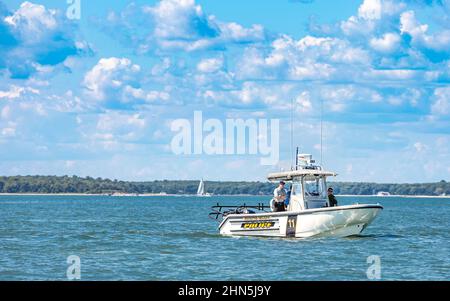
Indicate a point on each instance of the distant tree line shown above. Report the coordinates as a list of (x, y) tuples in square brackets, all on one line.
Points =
[(75, 184)]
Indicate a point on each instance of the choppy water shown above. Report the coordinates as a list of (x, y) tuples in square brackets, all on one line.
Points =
[(171, 238)]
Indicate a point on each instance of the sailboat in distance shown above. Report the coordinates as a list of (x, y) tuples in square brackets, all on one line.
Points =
[(201, 189)]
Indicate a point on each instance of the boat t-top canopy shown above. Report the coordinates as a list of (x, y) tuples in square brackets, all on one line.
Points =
[(289, 175)]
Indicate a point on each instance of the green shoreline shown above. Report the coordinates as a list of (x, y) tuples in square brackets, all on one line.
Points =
[(88, 185)]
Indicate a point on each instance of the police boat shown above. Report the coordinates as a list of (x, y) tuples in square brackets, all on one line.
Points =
[(308, 213)]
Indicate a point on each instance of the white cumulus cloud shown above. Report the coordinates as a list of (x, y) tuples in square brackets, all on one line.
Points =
[(441, 105), (210, 65), (109, 75), (34, 38)]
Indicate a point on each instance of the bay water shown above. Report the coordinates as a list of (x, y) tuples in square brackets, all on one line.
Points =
[(172, 238)]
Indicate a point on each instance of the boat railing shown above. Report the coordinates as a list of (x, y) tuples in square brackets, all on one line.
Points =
[(220, 211)]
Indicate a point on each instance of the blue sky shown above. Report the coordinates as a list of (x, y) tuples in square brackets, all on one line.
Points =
[(96, 96)]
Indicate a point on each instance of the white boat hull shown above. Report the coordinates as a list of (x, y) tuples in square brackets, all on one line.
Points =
[(338, 221)]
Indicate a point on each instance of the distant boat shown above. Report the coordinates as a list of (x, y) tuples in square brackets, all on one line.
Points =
[(201, 189), (383, 193), (124, 194)]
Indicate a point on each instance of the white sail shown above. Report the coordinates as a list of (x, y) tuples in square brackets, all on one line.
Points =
[(201, 188)]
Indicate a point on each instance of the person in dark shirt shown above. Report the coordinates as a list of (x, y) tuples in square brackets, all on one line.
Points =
[(331, 198)]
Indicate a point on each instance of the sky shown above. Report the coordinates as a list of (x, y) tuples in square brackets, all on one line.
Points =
[(94, 91)]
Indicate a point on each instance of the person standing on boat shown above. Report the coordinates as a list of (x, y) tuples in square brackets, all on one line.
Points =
[(279, 196), (331, 198), (288, 197)]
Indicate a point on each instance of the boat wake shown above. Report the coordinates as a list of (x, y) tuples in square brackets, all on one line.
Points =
[(361, 236), (198, 234)]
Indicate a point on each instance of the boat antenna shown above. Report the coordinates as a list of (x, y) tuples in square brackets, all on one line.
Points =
[(296, 159), (321, 131), (292, 132)]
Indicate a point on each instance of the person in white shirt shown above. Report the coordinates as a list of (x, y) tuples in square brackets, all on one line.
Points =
[(279, 196)]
